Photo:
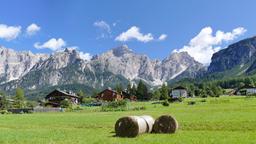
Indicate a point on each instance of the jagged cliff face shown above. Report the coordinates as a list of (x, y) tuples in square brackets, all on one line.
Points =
[(179, 65), (237, 58), (14, 65), (123, 61), (119, 65)]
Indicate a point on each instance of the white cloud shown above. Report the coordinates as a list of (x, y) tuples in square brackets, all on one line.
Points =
[(134, 33), (9, 32), (102, 25), (53, 44), (85, 56), (205, 44), (162, 37), (32, 29)]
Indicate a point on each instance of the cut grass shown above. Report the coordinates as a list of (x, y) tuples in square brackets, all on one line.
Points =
[(218, 120)]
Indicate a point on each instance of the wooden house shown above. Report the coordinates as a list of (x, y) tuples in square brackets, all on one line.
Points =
[(179, 92), (111, 95), (128, 96), (55, 98)]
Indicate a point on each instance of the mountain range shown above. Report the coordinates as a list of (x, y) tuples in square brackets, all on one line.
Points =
[(119, 65)]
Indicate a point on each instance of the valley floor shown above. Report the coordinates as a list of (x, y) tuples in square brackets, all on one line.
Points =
[(217, 121)]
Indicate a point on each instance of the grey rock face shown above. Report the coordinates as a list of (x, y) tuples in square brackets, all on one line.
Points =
[(133, 66), (118, 65), (14, 65), (238, 55)]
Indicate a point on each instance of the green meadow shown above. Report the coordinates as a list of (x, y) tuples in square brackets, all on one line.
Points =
[(217, 121)]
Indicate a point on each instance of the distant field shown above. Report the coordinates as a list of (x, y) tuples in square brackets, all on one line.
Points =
[(219, 121)]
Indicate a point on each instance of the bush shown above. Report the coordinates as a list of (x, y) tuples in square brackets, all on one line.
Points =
[(203, 100), (31, 104), (191, 102), (165, 103), (180, 99), (115, 106), (88, 100), (77, 108), (139, 108), (4, 112), (65, 104)]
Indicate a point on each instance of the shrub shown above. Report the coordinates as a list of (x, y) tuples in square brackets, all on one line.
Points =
[(115, 106), (88, 100), (77, 108), (180, 99), (4, 112), (203, 100), (65, 104), (139, 108), (191, 102), (165, 103), (31, 104)]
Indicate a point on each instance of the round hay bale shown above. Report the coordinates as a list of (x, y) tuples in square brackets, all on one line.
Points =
[(150, 122), (132, 126), (165, 124)]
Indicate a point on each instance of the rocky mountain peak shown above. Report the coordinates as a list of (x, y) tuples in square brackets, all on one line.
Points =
[(70, 50), (180, 57), (66, 67), (121, 50), (13, 64), (238, 55)]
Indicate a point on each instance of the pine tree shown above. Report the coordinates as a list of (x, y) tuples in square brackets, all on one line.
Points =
[(119, 88), (133, 90), (81, 95), (164, 92), (19, 99), (129, 88), (142, 91), (156, 95)]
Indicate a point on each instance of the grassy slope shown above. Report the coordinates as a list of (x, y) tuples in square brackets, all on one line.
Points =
[(223, 120)]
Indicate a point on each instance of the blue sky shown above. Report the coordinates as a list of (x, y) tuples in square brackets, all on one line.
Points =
[(96, 26)]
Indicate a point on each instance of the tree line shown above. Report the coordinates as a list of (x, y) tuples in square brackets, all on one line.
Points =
[(18, 101), (163, 92)]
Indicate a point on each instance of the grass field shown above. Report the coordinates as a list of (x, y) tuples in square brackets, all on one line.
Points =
[(218, 120)]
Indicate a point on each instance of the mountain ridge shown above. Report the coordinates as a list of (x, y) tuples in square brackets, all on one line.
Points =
[(106, 69)]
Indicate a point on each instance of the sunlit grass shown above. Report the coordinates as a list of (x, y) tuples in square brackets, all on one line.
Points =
[(218, 120)]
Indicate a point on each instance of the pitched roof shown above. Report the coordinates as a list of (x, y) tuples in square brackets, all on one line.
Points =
[(107, 90), (64, 93), (179, 87)]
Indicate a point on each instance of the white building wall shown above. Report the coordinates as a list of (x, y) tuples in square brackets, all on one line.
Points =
[(179, 93), (251, 91)]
